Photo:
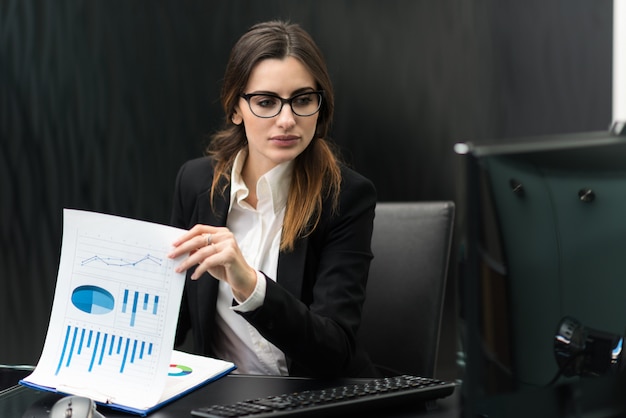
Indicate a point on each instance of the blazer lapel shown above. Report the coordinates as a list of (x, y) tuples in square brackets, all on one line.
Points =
[(216, 215), (291, 267)]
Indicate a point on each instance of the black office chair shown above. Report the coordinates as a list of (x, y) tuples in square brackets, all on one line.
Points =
[(402, 314)]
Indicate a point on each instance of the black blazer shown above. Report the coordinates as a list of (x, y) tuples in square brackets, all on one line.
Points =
[(312, 311)]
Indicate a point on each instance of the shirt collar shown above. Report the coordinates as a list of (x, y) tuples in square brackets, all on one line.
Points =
[(278, 180)]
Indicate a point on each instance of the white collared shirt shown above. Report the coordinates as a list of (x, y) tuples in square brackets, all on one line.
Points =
[(258, 233)]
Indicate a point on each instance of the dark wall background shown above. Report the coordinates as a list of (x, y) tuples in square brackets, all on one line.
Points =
[(101, 101)]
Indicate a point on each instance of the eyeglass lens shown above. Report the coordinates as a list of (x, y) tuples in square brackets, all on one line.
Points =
[(267, 106)]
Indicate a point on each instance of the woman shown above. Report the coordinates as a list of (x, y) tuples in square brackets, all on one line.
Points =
[(276, 219)]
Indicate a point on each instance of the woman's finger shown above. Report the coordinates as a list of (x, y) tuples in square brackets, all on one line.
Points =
[(198, 229), (197, 258)]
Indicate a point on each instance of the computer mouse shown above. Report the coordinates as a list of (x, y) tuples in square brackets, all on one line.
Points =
[(75, 407)]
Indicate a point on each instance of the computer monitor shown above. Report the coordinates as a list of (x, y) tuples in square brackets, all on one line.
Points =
[(545, 239)]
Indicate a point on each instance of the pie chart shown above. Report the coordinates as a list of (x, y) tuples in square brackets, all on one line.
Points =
[(93, 300), (179, 370)]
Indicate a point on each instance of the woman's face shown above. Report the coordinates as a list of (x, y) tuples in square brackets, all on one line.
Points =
[(272, 141)]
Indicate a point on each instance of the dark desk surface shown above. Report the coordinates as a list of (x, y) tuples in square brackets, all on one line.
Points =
[(28, 403), (593, 397)]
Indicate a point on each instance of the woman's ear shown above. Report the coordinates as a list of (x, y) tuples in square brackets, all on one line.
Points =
[(236, 118)]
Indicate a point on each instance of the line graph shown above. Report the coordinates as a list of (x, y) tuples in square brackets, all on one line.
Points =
[(120, 262), (98, 256)]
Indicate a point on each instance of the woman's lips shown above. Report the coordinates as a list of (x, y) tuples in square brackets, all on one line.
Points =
[(284, 139)]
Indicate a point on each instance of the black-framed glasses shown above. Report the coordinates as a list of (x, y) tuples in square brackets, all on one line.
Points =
[(267, 105)]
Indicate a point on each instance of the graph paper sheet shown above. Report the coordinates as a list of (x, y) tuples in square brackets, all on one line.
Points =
[(115, 309)]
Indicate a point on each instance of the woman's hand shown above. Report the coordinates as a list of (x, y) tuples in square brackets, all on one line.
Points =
[(215, 250)]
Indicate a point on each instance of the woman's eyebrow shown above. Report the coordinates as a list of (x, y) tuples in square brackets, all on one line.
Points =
[(272, 93), (302, 90)]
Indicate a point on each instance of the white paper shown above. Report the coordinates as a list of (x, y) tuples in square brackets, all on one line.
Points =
[(190, 370), (115, 310)]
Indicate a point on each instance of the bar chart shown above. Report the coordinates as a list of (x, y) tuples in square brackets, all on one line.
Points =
[(119, 291), (97, 348)]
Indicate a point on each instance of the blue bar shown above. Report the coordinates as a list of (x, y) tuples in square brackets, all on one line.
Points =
[(125, 355), (156, 304), (143, 345), (119, 345), (132, 357), (82, 338), (150, 349), (69, 357), (89, 338), (111, 346), (132, 316), (145, 301), (125, 301), (104, 344), (67, 336), (95, 350)]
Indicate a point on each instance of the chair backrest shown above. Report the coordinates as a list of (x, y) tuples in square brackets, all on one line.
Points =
[(406, 288)]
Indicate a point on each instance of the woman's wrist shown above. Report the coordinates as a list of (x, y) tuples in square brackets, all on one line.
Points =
[(254, 298)]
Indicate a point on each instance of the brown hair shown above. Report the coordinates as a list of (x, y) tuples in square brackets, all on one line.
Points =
[(316, 170)]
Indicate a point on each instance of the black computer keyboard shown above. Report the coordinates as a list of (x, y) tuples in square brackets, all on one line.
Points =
[(345, 399)]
